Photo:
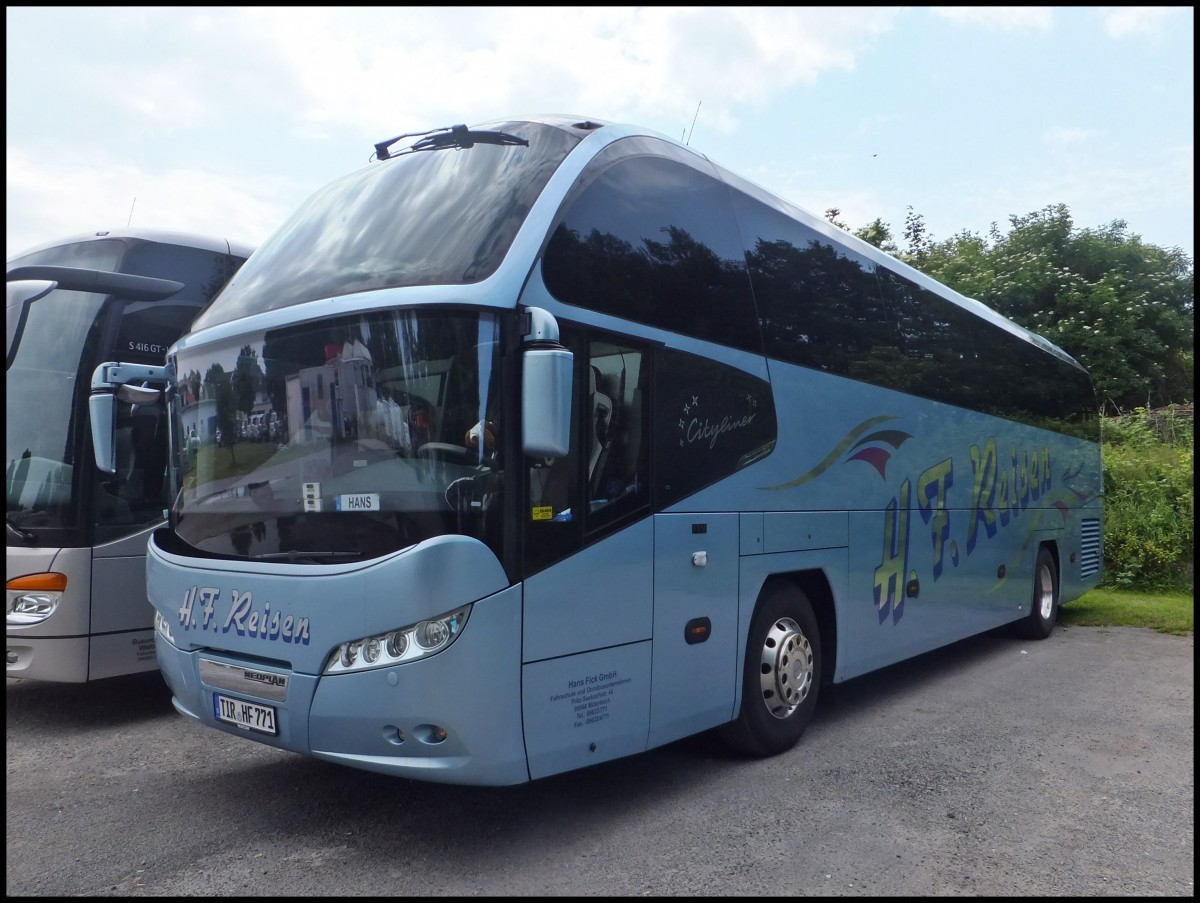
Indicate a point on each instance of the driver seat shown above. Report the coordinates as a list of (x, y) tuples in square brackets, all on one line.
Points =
[(601, 408)]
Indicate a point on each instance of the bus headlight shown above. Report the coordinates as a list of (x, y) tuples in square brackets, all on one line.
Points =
[(406, 644), (34, 597)]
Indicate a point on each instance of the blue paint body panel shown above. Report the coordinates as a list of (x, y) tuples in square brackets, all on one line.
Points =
[(601, 596), (586, 708)]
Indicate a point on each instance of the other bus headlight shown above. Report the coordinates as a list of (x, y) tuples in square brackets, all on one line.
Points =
[(396, 646), (34, 597)]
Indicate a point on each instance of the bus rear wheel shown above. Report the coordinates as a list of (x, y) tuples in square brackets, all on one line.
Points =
[(1043, 614), (782, 674)]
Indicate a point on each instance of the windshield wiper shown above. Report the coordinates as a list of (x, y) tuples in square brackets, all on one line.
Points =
[(451, 136), (293, 555), (23, 535)]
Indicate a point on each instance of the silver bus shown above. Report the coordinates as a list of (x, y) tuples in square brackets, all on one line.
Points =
[(79, 508)]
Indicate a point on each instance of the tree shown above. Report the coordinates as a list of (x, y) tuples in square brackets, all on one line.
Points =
[(917, 237), (879, 234), (876, 233), (219, 387), (834, 215), (247, 380)]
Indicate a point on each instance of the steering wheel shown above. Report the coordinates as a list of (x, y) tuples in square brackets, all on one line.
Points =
[(445, 450), (450, 453)]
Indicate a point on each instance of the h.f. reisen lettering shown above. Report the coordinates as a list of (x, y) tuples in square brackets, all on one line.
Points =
[(199, 607)]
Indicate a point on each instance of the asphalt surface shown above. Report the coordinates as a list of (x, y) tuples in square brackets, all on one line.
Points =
[(993, 767)]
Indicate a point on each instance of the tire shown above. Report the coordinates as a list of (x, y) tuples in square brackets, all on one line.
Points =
[(1043, 613), (782, 675)]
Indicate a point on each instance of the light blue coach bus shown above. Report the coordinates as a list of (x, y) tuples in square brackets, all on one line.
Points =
[(587, 445), (83, 314)]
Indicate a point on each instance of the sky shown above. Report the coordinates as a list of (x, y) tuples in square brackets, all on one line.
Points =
[(223, 120)]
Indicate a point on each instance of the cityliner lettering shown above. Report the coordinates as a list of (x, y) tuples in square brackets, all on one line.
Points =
[(198, 611)]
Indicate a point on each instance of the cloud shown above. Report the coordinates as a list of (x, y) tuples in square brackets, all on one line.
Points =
[(998, 18), (1141, 21), (225, 119), (645, 64), (57, 200), (185, 104)]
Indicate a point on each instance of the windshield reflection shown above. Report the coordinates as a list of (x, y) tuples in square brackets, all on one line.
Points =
[(346, 438), (442, 217)]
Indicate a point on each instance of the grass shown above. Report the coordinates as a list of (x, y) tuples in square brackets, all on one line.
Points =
[(1167, 612)]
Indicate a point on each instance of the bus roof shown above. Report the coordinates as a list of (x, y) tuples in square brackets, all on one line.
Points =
[(164, 236)]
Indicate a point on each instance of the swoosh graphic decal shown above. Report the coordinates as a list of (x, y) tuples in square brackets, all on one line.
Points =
[(876, 457), (830, 458), (894, 438)]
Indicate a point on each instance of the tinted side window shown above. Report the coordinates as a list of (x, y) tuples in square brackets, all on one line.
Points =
[(146, 330), (953, 356), (101, 254), (819, 304), (202, 272), (710, 420), (654, 240), (826, 307), (603, 483)]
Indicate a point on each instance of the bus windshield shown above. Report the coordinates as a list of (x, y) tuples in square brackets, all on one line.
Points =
[(40, 474), (42, 450), (339, 439), (441, 217)]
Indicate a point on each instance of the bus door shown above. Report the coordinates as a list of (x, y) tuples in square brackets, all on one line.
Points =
[(589, 600)]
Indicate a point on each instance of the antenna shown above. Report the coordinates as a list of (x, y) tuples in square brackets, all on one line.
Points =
[(689, 136), (131, 213)]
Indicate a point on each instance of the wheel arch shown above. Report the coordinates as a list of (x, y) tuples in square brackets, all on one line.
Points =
[(1051, 545)]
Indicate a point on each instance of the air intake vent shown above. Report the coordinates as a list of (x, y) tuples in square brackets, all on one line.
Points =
[(1089, 551)]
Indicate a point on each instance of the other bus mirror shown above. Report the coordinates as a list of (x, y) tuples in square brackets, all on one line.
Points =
[(24, 285), (110, 381), (139, 395), (18, 295), (546, 369), (101, 412)]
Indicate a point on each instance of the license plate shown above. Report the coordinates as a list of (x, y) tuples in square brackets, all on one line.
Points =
[(247, 715)]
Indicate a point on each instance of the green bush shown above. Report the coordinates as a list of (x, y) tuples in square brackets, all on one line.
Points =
[(1149, 509)]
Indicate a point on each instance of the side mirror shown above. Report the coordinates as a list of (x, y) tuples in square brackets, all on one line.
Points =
[(110, 381), (546, 372)]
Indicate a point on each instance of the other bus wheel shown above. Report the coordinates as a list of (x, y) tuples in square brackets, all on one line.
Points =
[(782, 674), (1043, 614)]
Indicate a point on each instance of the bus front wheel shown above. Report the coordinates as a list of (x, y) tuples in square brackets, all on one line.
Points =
[(782, 674), (1043, 613)]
